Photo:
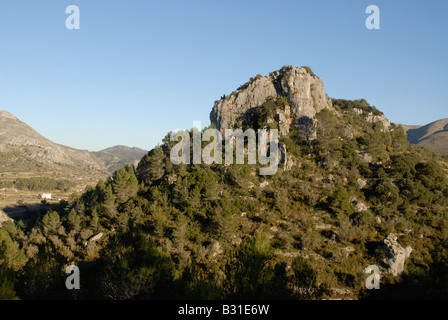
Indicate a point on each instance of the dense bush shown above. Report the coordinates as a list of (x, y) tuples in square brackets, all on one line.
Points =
[(38, 184)]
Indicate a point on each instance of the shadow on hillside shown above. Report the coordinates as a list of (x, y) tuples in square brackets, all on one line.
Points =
[(26, 212), (429, 283)]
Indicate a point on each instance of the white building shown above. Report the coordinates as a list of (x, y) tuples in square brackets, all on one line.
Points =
[(46, 196)]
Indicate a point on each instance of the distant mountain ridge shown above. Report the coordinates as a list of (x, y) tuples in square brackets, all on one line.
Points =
[(433, 136), (118, 156), (23, 149)]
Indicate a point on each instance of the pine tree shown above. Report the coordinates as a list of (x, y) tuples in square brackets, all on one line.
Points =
[(6, 277), (74, 221), (94, 221), (51, 224), (181, 192), (125, 184), (108, 203), (340, 202), (152, 167)]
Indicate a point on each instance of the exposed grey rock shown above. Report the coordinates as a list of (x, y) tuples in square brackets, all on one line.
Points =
[(372, 118), (305, 93), (93, 239), (347, 132), (361, 207), (323, 226), (215, 249), (172, 178), (342, 291), (226, 112), (96, 237), (286, 160), (361, 183), (264, 184), (365, 156), (396, 254), (284, 120), (348, 251), (379, 118)]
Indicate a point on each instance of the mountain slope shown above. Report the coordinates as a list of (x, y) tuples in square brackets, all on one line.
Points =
[(24, 150), (118, 156), (433, 136)]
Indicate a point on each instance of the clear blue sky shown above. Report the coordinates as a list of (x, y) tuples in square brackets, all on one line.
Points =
[(138, 69)]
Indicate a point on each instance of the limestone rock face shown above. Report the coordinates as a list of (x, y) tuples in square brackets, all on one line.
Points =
[(284, 120), (396, 254), (227, 111), (304, 91), (285, 159)]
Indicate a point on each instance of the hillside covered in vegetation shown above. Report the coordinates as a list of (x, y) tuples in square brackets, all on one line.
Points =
[(345, 187)]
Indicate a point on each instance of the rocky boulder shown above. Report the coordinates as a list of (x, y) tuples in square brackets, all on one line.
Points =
[(94, 238), (396, 254)]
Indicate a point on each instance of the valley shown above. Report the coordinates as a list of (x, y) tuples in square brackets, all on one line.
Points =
[(25, 155)]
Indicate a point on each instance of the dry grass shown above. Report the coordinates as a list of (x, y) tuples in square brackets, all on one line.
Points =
[(16, 203)]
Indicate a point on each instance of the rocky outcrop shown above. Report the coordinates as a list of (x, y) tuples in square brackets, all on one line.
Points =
[(365, 156), (264, 184), (287, 161), (93, 238), (215, 249), (374, 118), (361, 183), (361, 206), (284, 120), (396, 254), (304, 91)]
